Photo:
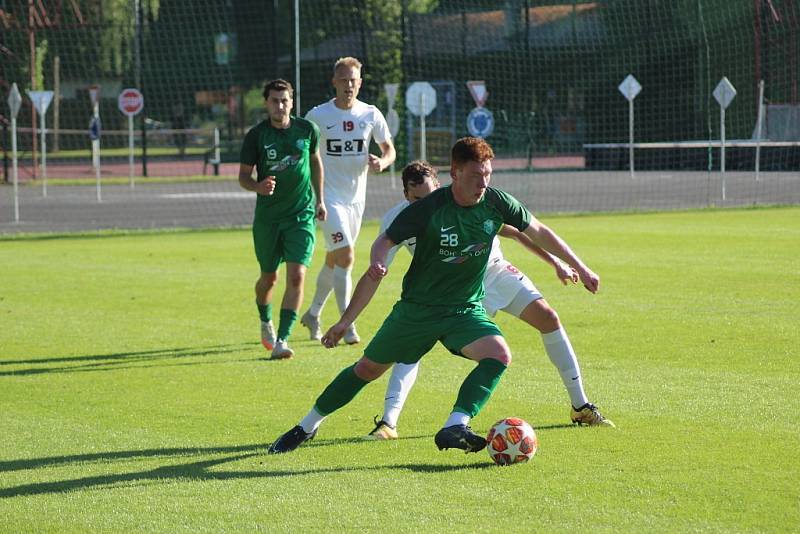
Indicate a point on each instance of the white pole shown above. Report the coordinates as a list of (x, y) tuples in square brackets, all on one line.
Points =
[(758, 128), (722, 147), (44, 152), (217, 154), (297, 57), (130, 150), (96, 155), (630, 136), (423, 144), (15, 167)]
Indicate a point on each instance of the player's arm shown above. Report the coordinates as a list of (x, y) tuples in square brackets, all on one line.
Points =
[(564, 272), (387, 157), (547, 239), (317, 181), (364, 291), (246, 181)]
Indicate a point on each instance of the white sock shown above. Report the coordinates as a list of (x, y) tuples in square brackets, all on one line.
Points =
[(342, 286), (400, 383), (560, 351), (457, 418), (323, 290), (312, 421)]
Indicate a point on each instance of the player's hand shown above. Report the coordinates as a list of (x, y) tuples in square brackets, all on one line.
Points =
[(322, 213), (375, 163), (334, 334), (590, 280), (377, 271), (266, 186), (565, 273)]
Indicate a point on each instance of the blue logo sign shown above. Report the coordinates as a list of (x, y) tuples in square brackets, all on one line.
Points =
[(94, 128), (480, 122)]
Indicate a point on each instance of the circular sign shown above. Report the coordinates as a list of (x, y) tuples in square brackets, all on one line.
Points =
[(130, 102), (421, 98), (393, 121), (480, 122)]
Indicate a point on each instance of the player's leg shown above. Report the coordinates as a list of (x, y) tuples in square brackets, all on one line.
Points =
[(400, 383), (343, 259), (530, 307), (265, 241), (476, 337)]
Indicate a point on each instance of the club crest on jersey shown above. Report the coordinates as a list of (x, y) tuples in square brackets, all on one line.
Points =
[(302, 144), (488, 226)]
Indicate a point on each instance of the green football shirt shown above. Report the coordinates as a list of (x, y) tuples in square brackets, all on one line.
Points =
[(285, 154), (453, 244)]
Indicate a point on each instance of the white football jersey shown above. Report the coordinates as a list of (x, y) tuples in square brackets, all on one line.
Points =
[(495, 256), (344, 145)]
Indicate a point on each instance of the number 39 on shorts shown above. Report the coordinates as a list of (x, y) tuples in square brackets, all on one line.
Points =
[(337, 237)]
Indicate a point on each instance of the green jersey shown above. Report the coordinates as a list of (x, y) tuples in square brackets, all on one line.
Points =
[(285, 154), (453, 244)]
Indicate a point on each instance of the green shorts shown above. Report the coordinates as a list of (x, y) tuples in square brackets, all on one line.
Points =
[(411, 330), (284, 241)]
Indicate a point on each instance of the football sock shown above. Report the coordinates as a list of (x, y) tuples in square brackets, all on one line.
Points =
[(323, 290), (312, 421), (400, 383), (560, 352), (478, 386), (342, 287), (288, 317), (265, 312), (339, 392), (457, 418)]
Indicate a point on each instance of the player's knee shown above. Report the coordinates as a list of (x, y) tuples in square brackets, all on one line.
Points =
[(267, 280), (295, 280), (550, 320), (368, 370), (502, 356)]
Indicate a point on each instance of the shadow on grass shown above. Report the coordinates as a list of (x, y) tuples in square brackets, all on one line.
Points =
[(117, 360), (199, 470)]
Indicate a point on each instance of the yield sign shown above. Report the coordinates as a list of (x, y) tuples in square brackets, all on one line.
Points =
[(41, 100), (479, 93)]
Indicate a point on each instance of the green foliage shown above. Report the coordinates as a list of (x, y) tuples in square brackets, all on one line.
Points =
[(136, 396)]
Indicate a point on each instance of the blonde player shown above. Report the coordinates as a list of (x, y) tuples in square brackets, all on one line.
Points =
[(346, 127)]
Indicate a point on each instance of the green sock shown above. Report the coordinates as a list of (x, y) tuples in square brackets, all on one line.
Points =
[(478, 386), (339, 392), (265, 312), (288, 317)]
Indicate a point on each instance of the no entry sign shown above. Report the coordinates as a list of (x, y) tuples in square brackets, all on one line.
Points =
[(130, 102)]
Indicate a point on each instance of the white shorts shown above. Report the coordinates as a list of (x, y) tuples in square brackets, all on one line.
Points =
[(342, 225), (507, 289)]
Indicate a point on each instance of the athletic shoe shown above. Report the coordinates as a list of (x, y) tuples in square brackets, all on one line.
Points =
[(382, 430), (589, 415), (350, 336), (282, 351), (459, 437), (291, 440), (267, 335), (312, 323)]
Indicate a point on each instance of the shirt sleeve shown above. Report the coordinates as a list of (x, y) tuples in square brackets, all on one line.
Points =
[(409, 223), (249, 152), (314, 140), (380, 132), (514, 213)]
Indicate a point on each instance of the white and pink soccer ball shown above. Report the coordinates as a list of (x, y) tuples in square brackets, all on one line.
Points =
[(511, 441)]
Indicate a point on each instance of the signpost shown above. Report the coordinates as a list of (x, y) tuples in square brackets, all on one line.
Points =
[(130, 102), (629, 88), (392, 119), (421, 101), (41, 101), (94, 135), (724, 94), (14, 103), (480, 121)]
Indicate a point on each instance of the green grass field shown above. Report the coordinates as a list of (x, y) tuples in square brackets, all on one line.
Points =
[(135, 395)]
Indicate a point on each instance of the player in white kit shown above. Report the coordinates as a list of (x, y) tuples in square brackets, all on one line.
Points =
[(507, 289), (346, 126)]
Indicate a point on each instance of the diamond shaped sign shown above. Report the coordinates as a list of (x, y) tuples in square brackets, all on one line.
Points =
[(630, 87), (725, 92), (14, 100)]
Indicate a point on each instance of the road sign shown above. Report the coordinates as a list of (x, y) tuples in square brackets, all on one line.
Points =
[(630, 87), (94, 94), (393, 121), (130, 101), (421, 98), (725, 92), (391, 92), (14, 100), (41, 100), (480, 122), (478, 91), (95, 128)]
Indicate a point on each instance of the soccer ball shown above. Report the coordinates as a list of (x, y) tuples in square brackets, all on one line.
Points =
[(511, 441)]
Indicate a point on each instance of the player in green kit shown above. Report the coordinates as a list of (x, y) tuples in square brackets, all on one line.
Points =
[(441, 300), (284, 151)]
